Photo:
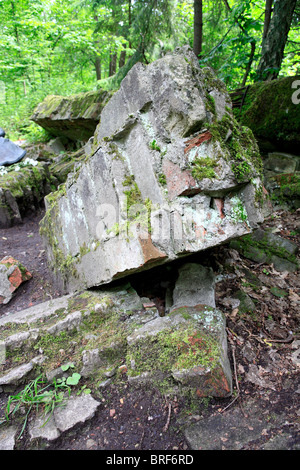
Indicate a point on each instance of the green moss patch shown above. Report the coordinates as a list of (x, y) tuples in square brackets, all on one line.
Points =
[(179, 348), (269, 111), (265, 250), (204, 168), (239, 144)]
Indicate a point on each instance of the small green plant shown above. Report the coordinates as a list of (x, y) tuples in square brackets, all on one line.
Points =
[(37, 394), (40, 394), (162, 179), (238, 210), (153, 146)]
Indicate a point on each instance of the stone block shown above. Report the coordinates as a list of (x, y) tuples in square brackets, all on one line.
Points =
[(163, 179)]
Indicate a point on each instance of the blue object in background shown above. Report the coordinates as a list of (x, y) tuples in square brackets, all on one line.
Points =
[(9, 152), (2, 132)]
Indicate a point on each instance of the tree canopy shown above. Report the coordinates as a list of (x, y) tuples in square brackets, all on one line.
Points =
[(65, 47)]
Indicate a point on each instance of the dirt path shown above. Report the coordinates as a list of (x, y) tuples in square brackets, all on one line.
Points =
[(24, 243), (261, 353)]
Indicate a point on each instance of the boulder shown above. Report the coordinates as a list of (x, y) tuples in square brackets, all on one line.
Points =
[(271, 110), (281, 176), (74, 117), (12, 275), (171, 173)]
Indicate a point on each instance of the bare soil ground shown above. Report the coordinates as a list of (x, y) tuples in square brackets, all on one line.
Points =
[(263, 349)]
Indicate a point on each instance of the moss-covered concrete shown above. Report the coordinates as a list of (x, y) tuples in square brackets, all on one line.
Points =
[(74, 116), (22, 190), (265, 247), (103, 331), (270, 111)]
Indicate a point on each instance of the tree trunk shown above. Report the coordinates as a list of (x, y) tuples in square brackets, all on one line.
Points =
[(98, 67), (122, 58), (274, 43), (129, 21), (198, 27), (248, 67), (268, 14), (112, 64)]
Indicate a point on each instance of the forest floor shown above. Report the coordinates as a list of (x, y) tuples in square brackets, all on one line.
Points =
[(264, 350)]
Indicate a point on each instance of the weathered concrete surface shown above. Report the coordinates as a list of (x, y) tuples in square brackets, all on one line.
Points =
[(75, 116), (8, 437), (187, 347), (171, 173), (194, 286), (101, 331)]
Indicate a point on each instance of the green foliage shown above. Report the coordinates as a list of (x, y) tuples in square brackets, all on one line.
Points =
[(63, 47), (38, 394)]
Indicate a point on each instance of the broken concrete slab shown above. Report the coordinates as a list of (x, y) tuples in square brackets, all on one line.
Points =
[(105, 329), (194, 286), (170, 173), (74, 116), (187, 347), (75, 410)]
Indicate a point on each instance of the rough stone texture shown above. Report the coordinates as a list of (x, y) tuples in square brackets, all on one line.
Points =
[(16, 375), (263, 246), (280, 162), (75, 116), (192, 351), (12, 275), (7, 437), (43, 427), (282, 176), (24, 186), (23, 191), (165, 178), (194, 286), (75, 410), (115, 325), (271, 110)]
